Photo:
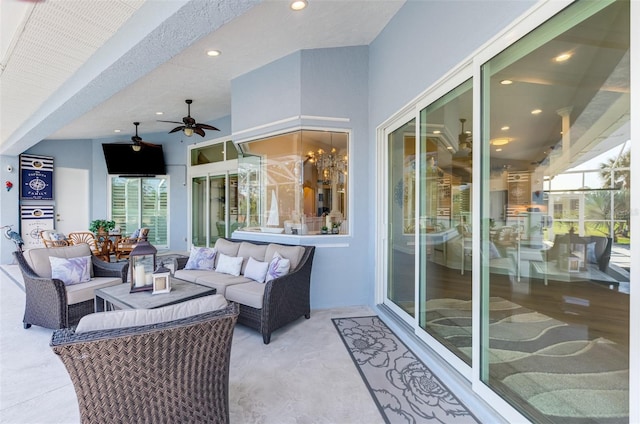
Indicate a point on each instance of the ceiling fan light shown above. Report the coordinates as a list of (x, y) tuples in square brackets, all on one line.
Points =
[(136, 147), (188, 132), (298, 4)]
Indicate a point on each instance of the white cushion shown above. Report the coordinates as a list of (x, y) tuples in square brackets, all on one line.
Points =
[(72, 270), (38, 259), (256, 270), (201, 258), (137, 317), (77, 293), (229, 264), (219, 281), (278, 267)]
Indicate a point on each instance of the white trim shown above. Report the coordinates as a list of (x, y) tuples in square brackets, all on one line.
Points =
[(634, 297), (325, 118), (263, 126)]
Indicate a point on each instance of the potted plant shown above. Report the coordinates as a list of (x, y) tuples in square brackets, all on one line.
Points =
[(324, 230), (101, 226), (335, 228)]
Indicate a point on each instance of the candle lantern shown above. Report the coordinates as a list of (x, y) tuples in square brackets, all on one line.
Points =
[(161, 280), (142, 263)]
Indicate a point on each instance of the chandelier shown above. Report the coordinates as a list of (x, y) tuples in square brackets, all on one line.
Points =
[(330, 164)]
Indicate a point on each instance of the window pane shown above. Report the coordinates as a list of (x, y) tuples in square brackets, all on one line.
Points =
[(198, 211), (401, 211), (446, 144), (555, 134), (295, 182)]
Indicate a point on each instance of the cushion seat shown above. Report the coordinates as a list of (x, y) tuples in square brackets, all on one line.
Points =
[(250, 294), (77, 293), (213, 279)]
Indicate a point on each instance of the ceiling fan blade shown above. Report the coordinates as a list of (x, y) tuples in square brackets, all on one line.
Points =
[(171, 122), (198, 131), (144, 143), (180, 128), (207, 127)]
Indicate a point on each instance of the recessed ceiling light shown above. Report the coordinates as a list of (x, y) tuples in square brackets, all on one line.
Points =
[(449, 148), (536, 111), (498, 150), (505, 128), (214, 53), (437, 132), (506, 82), (562, 57), (116, 130), (298, 4), (159, 113)]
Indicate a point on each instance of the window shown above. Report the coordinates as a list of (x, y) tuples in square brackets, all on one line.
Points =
[(295, 183), (141, 202)]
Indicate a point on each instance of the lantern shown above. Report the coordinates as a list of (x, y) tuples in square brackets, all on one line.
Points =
[(161, 280), (142, 263)]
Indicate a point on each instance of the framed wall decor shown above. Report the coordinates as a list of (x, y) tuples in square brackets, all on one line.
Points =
[(36, 177)]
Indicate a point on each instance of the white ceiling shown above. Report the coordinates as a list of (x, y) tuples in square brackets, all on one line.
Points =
[(80, 69)]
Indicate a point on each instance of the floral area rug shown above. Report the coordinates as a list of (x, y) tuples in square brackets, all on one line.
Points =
[(404, 389)]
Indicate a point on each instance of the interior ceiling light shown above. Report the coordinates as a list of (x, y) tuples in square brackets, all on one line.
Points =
[(116, 131), (505, 128), (506, 82), (500, 141), (298, 4), (536, 111), (498, 150), (563, 57), (214, 53), (437, 132), (159, 113)]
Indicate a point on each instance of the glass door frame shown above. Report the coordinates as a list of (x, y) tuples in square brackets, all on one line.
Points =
[(225, 169)]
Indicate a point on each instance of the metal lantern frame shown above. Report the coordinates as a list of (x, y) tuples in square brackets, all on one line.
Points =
[(142, 264)]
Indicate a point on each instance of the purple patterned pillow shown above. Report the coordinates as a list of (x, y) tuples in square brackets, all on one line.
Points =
[(278, 267), (201, 258), (72, 270)]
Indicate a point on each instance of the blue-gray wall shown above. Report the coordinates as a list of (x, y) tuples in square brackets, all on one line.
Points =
[(365, 84)]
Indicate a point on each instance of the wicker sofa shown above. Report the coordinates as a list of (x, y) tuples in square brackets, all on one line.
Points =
[(174, 371), (52, 304), (263, 306)]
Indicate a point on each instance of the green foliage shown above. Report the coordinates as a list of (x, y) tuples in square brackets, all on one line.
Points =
[(106, 225)]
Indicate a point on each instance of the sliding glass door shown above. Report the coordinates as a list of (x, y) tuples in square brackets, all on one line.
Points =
[(556, 180)]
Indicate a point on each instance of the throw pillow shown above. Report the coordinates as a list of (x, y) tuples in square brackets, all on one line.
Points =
[(229, 264), (72, 270), (201, 258), (278, 267), (256, 270), (57, 237), (135, 234)]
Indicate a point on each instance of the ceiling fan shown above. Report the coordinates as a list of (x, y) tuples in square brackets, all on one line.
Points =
[(190, 126), (138, 144), (464, 142)]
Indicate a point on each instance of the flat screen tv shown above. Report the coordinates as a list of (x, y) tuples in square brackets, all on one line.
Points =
[(122, 160)]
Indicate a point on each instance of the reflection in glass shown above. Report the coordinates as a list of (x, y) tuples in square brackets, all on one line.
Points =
[(401, 211), (446, 146), (295, 183), (556, 188)]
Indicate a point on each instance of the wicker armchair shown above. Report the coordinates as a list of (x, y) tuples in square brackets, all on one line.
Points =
[(46, 298), (174, 372), (100, 250), (51, 238), (125, 245), (286, 298)]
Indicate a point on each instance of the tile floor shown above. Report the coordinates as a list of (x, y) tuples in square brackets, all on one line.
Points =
[(304, 375)]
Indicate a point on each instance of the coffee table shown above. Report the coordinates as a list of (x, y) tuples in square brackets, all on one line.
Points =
[(118, 297)]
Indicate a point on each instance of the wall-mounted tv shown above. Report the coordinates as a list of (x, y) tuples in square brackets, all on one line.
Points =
[(122, 160)]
